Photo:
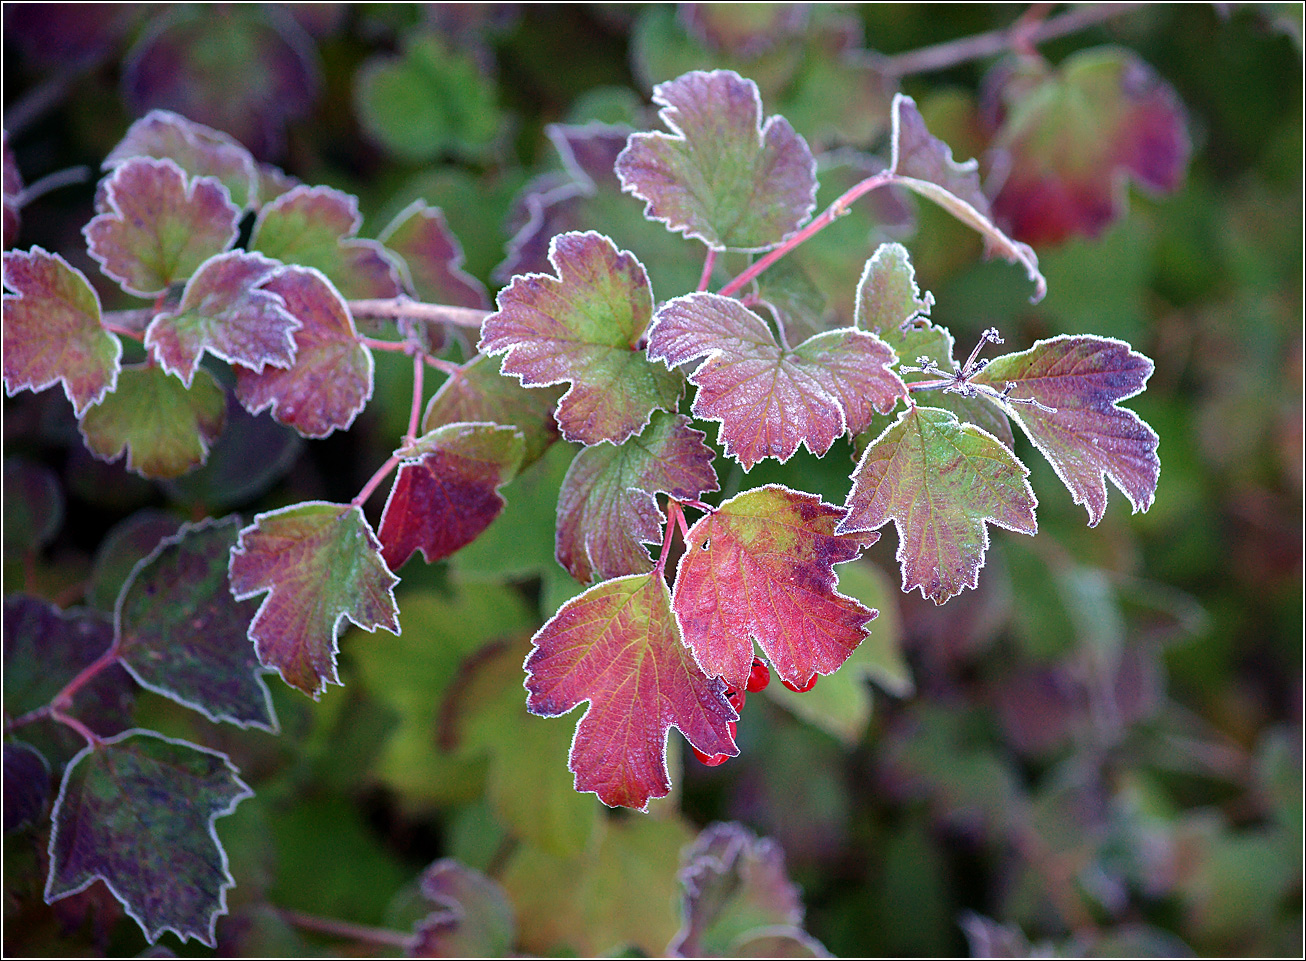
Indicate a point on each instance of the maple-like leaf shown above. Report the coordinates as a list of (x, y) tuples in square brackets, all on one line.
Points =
[(331, 378), (940, 482), (924, 164), (1087, 437), (721, 175), (472, 919), (447, 490), (137, 812), (761, 567), (584, 327), (1072, 137), (165, 427), (52, 331), (431, 258), (768, 398), (181, 634), (607, 506), (316, 227), (617, 646), (224, 311), (478, 392), (320, 563), (158, 225)]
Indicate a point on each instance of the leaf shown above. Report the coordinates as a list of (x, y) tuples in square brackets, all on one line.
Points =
[(331, 378), (769, 399), (26, 785), (320, 563), (473, 918), (721, 175), (137, 812), (618, 646), (181, 634), (607, 506), (940, 482), (316, 227), (199, 150), (447, 490), (584, 327), (431, 258), (52, 331), (1089, 438), (479, 393), (924, 164), (1073, 137), (224, 311), (122, 548), (164, 426), (33, 505), (158, 225), (762, 567)]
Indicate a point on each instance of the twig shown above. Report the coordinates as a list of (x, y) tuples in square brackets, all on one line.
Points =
[(396, 308), (708, 263), (415, 413), (374, 482), (347, 929), (53, 181)]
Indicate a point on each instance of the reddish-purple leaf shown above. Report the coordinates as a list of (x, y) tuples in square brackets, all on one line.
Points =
[(447, 490), (316, 227), (584, 327), (1088, 438), (769, 399), (13, 189), (607, 506), (473, 918), (181, 634), (924, 164), (199, 150), (1073, 136), (744, 30), (617, 646), (320, 563), (431, 258), (165, 427), (331, 378), (137, 812), (224, 311), (721, 175), (158, 225), (52, 331), (26, 785), (761, 567), (940, 482)]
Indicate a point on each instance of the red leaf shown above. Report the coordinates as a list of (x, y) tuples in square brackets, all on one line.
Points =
[(762, 567), (618, 647), (431, 258)]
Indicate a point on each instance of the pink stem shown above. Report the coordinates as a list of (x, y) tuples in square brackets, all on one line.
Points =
[(370, 487), (72, 722), (65, 697), (347, 930), (404, 347), (123, 331), (415, 414), (709, 262), (674, 516)]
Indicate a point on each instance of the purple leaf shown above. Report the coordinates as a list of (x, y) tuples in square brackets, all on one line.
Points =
[(137, 812), (607, 506), (331, 378), (158, 225), (744, 30), (52, 331), (223, 311), (123, 547), (473, 918), (769, 399), (1088, 438), (721, 175), (431, 258), (584, 327), (26, 785), (320, 563), (181, 634)]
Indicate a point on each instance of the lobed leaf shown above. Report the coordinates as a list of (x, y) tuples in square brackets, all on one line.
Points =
[(164, 426), (331, 378), (607, 506), (1087, 438), (584, 327), (472, 917), (940, 482), (319, 564), (431, 259), (181, 634), (447, 490), (316, 227), (224, 310), (721, 175), (768, 398), (618, 646), (137, 812), (52, 331), (761, 567), (158, 225)]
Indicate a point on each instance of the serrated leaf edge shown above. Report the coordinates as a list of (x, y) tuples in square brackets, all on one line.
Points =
[(400, 263), (922, 313)]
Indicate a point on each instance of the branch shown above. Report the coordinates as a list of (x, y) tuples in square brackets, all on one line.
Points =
[(347, 930), (398, 308)]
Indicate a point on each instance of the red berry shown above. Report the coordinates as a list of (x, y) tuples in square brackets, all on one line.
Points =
[(801, 690), (736, 699), (759, 677), (712, 760)]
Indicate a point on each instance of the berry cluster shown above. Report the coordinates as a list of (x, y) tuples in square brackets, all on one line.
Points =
[(758, 678)]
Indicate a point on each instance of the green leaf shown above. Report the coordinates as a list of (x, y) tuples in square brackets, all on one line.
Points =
[(33, 505), (473, 918)]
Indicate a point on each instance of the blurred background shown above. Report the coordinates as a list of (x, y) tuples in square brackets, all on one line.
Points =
[(1098, 750)]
